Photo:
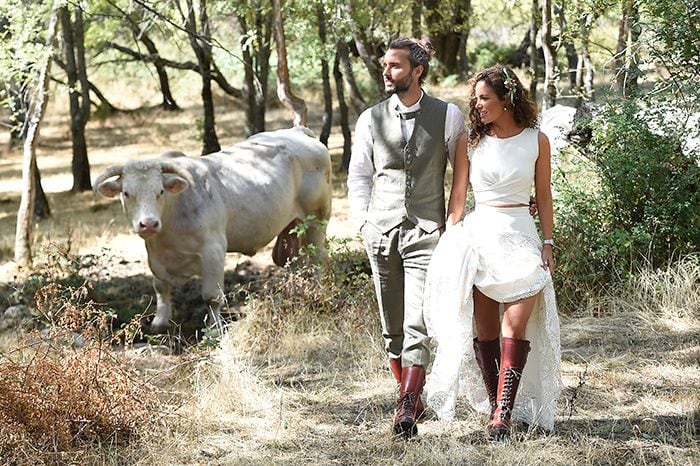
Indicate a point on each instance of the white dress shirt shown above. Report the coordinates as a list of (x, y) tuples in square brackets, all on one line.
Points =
[(361, 169)]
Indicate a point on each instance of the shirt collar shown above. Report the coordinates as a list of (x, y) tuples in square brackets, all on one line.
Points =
[(397, 105)]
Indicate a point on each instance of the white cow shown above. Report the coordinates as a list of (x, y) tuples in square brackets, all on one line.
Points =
[(191, 210)]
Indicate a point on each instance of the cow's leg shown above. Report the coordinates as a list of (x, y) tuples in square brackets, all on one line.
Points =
[(164, 312), (213, 259), (316, 236), (287, 244)]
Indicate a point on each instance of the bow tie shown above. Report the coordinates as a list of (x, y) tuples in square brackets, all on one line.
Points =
[(407, 115)]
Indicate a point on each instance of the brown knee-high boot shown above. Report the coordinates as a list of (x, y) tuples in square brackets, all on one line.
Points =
[(396, 369), (395, 365), (488, 357), (513, 359), (412, 380)]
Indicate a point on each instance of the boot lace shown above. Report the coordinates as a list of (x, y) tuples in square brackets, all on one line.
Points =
[(506, 403)]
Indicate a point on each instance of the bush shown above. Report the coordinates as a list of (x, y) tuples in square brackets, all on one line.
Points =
[(629, 200), (489, 53)]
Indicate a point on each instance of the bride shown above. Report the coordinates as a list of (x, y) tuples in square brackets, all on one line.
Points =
[(495, 260)]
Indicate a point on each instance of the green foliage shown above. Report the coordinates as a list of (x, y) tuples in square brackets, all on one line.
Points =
[(631, 201), (489, 53)]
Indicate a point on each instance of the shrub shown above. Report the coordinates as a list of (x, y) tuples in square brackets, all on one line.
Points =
[(629, 200), (489, 53)]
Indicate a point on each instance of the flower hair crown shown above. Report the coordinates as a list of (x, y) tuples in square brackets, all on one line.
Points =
[(510, 85)]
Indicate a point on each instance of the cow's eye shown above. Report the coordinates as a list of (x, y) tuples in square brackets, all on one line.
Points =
[(161, 192), (126, 194)]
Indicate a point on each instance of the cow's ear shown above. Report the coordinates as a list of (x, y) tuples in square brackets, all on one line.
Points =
[(110, 188), (174, 184)]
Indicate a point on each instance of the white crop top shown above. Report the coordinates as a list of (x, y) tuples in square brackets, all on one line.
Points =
[(502, 171)]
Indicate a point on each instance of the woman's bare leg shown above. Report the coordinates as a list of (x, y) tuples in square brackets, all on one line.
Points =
[(515, 317), (488, 325)]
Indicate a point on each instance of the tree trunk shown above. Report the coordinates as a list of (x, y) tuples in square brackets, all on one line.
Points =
[(446, 38), (42, 209), (201, 44), (626, 58), (284, 88), (356, 100), (416, 13), (18, 112), (79, 96), (256, 58), (343, 109), (534, 29), (327, 95), (550, 64), (370, 59), (168, 99), (23, 234), (567, 43), (585, 71), (464, 39)]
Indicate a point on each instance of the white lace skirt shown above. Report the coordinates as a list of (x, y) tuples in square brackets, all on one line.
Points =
[(497, 250)]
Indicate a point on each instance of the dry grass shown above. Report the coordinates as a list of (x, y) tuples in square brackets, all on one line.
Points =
[(294, 384), (300, 377)]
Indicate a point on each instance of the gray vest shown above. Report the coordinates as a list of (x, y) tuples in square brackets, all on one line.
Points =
[(409, 176)]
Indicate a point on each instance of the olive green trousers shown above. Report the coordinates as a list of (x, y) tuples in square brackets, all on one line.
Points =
[(399, 260)]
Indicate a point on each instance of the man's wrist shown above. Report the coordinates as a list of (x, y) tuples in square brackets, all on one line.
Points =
[(548, 242)]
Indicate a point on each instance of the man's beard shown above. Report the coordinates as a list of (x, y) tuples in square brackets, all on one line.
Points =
[(399, 85)]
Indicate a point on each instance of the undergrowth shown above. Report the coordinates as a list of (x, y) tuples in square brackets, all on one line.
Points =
[(63, 390)]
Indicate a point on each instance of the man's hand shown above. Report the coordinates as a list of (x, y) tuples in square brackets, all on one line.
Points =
[(533, 206)]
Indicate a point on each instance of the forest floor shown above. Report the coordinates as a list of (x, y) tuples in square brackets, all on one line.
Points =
[(300, 376)]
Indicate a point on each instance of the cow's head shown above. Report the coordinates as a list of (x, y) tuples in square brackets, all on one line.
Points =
[(144, 189)]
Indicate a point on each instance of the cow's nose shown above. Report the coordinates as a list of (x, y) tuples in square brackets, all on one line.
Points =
[(149, 224)]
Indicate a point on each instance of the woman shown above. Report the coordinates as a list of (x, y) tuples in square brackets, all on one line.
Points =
[(495, 260)]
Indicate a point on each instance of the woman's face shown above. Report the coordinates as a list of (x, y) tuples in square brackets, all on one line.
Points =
[(489, 106)]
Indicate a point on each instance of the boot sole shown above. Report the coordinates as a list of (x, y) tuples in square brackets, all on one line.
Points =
[(406, 428)]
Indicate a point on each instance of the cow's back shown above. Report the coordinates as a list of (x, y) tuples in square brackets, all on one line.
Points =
[(270, 179)]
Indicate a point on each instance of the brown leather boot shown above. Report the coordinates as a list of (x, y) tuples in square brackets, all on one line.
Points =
[(412, 380), (513, 359), (488, 357), (395, 365)]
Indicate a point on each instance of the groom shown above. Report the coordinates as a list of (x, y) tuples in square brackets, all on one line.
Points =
[(396, 193)]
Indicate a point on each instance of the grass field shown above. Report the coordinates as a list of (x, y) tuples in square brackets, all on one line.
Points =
[(300, 376)]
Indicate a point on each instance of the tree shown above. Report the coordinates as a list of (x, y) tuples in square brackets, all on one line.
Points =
[(366, 48), (342, 107), (199, 36), (284, 89), (550, 61), (627, 58), (256, 23), (78, 92), (449, 30), (325, 77), (39, 99), (534, 29), (15, 74), (343, 55)]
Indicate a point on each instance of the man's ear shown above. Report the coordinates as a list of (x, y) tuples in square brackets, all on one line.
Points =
[(110, 188), (420, 70)]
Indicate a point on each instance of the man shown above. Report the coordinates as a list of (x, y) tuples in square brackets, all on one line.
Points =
[(396, 194)]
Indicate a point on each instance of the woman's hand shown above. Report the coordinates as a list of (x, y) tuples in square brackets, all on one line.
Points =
[(548, 258)]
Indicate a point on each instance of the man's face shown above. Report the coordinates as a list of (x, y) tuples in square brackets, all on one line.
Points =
[(399, 75)]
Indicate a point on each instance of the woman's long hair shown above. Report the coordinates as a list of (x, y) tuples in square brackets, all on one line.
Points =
[(510, 90)]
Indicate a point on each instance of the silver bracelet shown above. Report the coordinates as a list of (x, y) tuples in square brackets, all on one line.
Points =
[(548, 241)]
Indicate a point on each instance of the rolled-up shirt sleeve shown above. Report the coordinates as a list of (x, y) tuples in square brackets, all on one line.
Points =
[(361, 170), (454, 128)]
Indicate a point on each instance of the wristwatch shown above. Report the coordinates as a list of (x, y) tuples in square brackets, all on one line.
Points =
[(548, 241)]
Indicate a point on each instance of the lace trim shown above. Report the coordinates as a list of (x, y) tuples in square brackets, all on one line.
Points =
[(449, 312)]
